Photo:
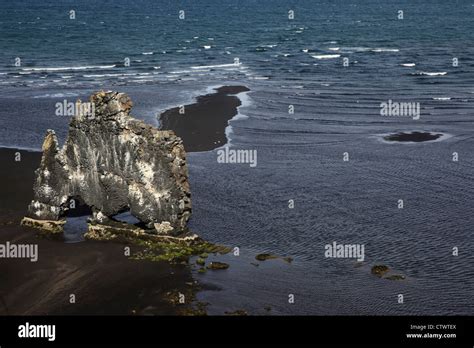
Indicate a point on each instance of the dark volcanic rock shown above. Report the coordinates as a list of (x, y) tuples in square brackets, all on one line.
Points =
[(379, 270), (217, 265), (395, 277), (263, 257), (115, 163)]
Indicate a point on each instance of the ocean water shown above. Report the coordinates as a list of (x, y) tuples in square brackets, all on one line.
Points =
[(285, 62)]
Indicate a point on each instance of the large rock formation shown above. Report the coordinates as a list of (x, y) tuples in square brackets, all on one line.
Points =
[(114, 163)]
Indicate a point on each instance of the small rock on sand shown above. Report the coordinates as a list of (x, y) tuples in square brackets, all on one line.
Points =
[(217, 265)]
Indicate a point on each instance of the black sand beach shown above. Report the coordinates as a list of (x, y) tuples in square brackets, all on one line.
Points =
[(202, 126), (415, 137), (17, 178), (102, 278)]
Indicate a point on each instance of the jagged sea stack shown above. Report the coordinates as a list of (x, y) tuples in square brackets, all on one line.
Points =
[(114, 163)]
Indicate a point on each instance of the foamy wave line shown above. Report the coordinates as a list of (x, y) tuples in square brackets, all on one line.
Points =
[(408, 64), (378, 50), (25, 148), (245, 101), (180, 72), (431, 73), (113, 75), (442, 98), (326, 56), (71, 68), (232, 65), (57, 95), (355, 49)]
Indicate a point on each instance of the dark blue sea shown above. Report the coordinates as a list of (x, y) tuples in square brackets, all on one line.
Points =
[(298, 62)]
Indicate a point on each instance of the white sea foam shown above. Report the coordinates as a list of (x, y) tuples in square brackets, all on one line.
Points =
[(442, 98), (326, 56), (206, 47), (147, 53), (408, 64), (334, 48), (180, 72), (57, 95), (71, 68), (355, 49), (232, 65), (245, 101), (385, 50), (26, 148), (109, 75), (442, 73)]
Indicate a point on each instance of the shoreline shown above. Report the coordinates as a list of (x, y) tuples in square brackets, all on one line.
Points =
[(203, 125), (102, 278), (199, 120), (92, 269)]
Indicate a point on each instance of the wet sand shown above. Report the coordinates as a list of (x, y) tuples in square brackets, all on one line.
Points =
[(102, 278), (416, 137), (16, 181), (202, 126)]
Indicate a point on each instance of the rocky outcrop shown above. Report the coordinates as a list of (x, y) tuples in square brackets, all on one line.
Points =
[(52, 227), (114, 163)]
